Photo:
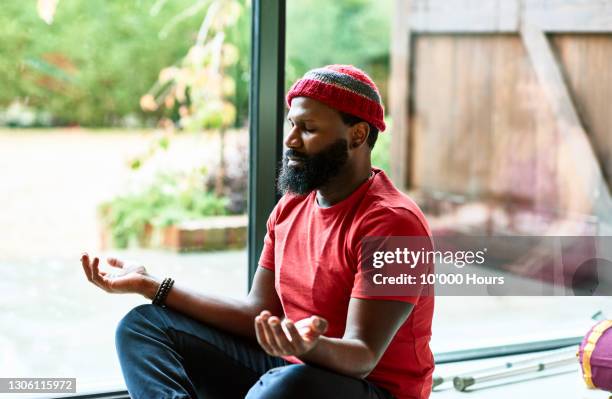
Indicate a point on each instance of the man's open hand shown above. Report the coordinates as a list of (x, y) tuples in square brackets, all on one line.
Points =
[(287, 338), (124, 277)]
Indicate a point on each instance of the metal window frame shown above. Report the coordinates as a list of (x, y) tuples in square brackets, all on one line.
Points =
[(266, 114)]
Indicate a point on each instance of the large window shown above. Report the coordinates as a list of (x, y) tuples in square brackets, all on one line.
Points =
[(482, 154), (123, 133)]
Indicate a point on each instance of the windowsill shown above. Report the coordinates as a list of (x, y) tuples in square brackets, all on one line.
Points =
[(562, 382), (113, 389)]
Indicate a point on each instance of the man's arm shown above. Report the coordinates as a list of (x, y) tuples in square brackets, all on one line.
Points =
[(370, 327), (232, 315)]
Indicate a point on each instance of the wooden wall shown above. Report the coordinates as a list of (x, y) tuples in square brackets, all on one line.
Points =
[(587, 63), (504, 100), (480, 123)]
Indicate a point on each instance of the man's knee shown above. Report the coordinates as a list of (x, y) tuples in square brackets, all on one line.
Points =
[(133, 321), (294, 381)]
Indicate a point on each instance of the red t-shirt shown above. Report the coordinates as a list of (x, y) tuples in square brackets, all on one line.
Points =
[(314, 253)]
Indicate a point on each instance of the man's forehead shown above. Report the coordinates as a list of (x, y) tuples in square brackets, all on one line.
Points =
[(304, 107)]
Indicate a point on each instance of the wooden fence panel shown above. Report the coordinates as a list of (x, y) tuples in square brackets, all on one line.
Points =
[(480, 124), (506, 101), (587, 64)]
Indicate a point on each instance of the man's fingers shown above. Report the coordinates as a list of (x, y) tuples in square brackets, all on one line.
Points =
[(94, 275), (85, 264), (296, 339), (97, 279), (317, 327), (268, 333), (261, 335), (94, 269), (259, 332), (115, 262), (320, 324), (281, 340)]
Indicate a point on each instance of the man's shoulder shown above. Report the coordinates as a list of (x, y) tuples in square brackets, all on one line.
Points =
[(385, 199), (290, 200), (286, 204), (383, 215), (386, 208)]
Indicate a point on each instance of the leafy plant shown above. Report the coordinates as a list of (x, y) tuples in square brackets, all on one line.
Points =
[(201, 85), (171, 199), (93, 63), (234, 178)]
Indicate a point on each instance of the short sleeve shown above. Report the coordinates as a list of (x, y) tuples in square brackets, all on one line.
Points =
[(266, 259), (389, 226)]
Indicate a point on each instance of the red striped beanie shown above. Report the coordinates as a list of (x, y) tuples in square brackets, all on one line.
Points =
[(345, 88)]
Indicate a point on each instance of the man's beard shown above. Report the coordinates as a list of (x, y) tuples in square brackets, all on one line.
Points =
[(314, 171)]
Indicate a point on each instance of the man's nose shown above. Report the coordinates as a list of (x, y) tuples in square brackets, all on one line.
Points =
[(293, 139)]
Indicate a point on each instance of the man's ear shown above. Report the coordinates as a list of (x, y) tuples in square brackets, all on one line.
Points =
[(359, 134)]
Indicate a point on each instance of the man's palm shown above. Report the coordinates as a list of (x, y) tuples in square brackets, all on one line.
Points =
[(123, 278)]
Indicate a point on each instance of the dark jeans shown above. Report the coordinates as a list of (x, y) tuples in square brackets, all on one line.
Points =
[(165, 354)]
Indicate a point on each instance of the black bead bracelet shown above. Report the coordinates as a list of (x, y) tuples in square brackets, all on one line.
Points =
[(162, 292)]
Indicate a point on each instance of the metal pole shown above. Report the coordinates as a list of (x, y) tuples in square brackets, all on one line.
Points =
[(462, 383)]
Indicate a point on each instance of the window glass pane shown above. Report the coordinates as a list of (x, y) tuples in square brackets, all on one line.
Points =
[(114, 120), (484, 155)]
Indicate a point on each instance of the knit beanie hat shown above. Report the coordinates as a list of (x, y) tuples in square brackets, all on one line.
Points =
[(345, 88)]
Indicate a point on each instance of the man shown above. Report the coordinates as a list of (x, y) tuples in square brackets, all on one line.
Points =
[(308, 328)]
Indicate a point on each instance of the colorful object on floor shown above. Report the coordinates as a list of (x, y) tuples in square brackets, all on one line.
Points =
[(595, 355)]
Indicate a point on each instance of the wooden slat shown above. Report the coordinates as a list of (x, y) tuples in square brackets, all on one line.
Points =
[(489, 16), (435, 110), (569, 15), (587, 62), (574, 138), (399, 91), (481, 127), (467, 16), (470, 156), (519, 117), (451, 123)]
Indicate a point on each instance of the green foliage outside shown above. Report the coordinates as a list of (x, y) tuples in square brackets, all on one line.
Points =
[(380, 153), (169, 200), (131, 63), (91, 66), (356, 32), (93, 63)]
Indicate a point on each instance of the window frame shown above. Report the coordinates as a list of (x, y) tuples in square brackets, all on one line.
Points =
[(266, 116)]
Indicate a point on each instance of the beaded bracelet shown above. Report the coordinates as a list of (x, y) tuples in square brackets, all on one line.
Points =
[(161, 287), (162, 292)]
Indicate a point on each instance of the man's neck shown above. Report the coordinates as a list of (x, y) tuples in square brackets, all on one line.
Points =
[(342, 185)]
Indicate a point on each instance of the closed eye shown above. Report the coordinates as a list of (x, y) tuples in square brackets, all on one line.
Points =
[(303, 127)]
